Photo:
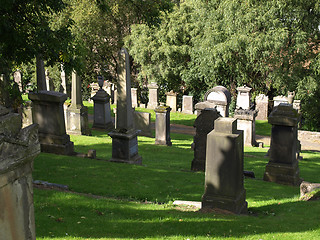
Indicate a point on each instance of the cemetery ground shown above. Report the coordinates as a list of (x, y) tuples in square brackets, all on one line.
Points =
[(109, 200)]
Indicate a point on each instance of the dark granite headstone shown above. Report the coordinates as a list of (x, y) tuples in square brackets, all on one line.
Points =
[(283, 166), (224, 187), (204, 124)]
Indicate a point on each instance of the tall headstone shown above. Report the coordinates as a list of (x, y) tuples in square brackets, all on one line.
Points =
[(49, 83), (124, 137), (153, 95), (243, 98), (187, 104), (171, 100), (134, 96), (63, 87), (142, 122), (224, 188), (18, 147), (283, 166), (162, 126), (262, 103), (41, 76), (77, 114), (17, 76), (204, 124), (48, 113), (102, 113)]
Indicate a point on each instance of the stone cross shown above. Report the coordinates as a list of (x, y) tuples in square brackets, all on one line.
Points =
[(124, 119), (41, 76)]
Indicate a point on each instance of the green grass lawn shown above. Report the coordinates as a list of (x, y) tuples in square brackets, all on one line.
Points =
[(121, 201)]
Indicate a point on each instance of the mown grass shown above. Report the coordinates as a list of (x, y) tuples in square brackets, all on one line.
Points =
[(136, 201)]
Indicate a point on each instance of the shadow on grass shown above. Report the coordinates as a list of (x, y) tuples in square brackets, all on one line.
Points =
[(61, 214)]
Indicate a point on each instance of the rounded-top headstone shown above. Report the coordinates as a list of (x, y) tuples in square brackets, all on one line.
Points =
[(218, 94)]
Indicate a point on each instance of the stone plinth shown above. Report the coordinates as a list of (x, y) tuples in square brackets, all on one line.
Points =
[(134, 97), (187, 104), (246, 123), (102, 113), (153, 96), (47, 111), (124, 137), (220, 98), (283, 165), (262, 103), (224, 187), (18, 147), (171, 100), (162, 126), (142, 122), (204, 124), (243, 98)]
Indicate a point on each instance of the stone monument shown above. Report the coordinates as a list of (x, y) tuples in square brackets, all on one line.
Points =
[(279, 99), (243, 98), (41, 76), (17, 76), (124, 137), (224, 187), (171, 100), (262, 103), (49, 83), (283, 166), (162, 126), (134, 96), (218, 97), (187, 104), (77, 114), (204, 124), (63, 86), (153, 95), (142, 122), (102, 113), (18, 147)]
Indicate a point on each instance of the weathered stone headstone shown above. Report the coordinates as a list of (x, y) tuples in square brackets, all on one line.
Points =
[(171, 100), (49, 83), (77, 114), (220, 98), (283, 166), (102, 113), (134, 96), (41, 76), (124, 137), (47, 111), (279, 99), (63, 86), (246, 123), (162, 126), (243, 98), (204, 124), (187, 104), (224, 187), (142, 122), (262, 103), (18, 147), (17, 76), (153, 96)]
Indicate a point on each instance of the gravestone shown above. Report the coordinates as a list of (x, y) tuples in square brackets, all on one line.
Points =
[(204, 124), (47, 111), (49, 82), (243, 98), (134, 96), (279, 99), (187, 104), (26, 114), (142, 122), (262, 103), (101, 106), (246, 116), (162, 126), (18, 147), (218, 97), (77, 114), (41, 76), (153, 95), (17, 76), (63, 86), (224, 187), (171, 100), (124, 137), (283, 166)]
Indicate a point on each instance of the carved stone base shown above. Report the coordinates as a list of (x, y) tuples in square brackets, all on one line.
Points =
[(56, 144)]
